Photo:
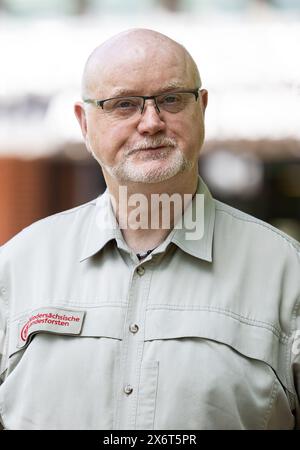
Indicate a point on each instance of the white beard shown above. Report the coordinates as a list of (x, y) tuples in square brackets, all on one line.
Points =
[(135, 165)]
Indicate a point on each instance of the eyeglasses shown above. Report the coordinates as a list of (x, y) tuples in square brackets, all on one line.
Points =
[(125, 107)]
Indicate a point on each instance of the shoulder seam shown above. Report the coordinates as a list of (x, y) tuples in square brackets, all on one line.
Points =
[(261, 223), (62, 213), (70, 211), (50, 219)]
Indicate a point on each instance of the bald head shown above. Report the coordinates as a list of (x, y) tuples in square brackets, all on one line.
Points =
[(129, 51)]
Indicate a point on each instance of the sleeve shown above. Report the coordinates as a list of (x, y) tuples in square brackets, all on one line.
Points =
[(3, 323), (296, 367), (295, 358)]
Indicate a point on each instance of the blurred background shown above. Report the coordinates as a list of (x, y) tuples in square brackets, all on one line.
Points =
[(248, 55)]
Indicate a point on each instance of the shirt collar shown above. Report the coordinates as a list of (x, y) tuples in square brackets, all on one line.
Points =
[(197, 242), (102, 228)]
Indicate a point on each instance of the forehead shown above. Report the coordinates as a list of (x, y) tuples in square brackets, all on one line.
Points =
[(142, 70)]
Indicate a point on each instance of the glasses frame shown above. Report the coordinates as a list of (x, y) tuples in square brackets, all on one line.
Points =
[(100, 103)]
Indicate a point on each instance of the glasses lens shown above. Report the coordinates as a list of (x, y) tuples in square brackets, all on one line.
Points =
[(174, 102), (123, 106)]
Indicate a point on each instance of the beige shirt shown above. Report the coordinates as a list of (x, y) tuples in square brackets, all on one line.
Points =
[(201, 334)]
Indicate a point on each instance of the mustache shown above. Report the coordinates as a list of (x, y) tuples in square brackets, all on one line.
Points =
[(150, 143)]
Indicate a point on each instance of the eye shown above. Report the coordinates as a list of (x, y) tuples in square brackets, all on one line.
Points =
[(126, 103), (170, 99), (122, 106)]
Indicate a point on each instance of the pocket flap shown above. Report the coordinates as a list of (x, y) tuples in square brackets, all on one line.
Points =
[(51, 320), (252, 339), (106, 321)]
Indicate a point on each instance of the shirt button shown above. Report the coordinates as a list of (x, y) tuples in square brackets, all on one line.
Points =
[(133, 328), (140, 270), (128, 389)]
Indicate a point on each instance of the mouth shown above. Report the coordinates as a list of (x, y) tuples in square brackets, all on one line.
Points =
[(154, 148)]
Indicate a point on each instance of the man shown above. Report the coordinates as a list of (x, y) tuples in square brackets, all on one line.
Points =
[(112, 322)]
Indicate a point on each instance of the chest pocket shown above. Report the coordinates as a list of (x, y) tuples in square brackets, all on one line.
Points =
[(227, 372), (77, 371)]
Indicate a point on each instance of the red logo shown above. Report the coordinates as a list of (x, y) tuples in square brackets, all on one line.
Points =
[(47, 319), (24, 331)]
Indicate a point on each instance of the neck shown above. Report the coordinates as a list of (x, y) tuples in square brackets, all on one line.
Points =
[(147, 212)]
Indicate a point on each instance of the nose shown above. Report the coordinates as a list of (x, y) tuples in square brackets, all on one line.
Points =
[(150, 121)]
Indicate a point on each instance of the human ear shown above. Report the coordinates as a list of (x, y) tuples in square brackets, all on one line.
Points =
[(81, 117), (203, 99)]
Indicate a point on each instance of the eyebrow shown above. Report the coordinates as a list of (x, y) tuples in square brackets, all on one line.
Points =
[(120, 92)]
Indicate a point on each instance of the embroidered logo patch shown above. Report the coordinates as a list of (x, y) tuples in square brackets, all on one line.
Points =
[(53, 320)]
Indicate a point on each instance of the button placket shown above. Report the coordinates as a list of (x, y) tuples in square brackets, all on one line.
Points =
[(133, 344)]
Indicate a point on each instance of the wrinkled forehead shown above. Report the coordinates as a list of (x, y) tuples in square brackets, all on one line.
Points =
[(141, 67)]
